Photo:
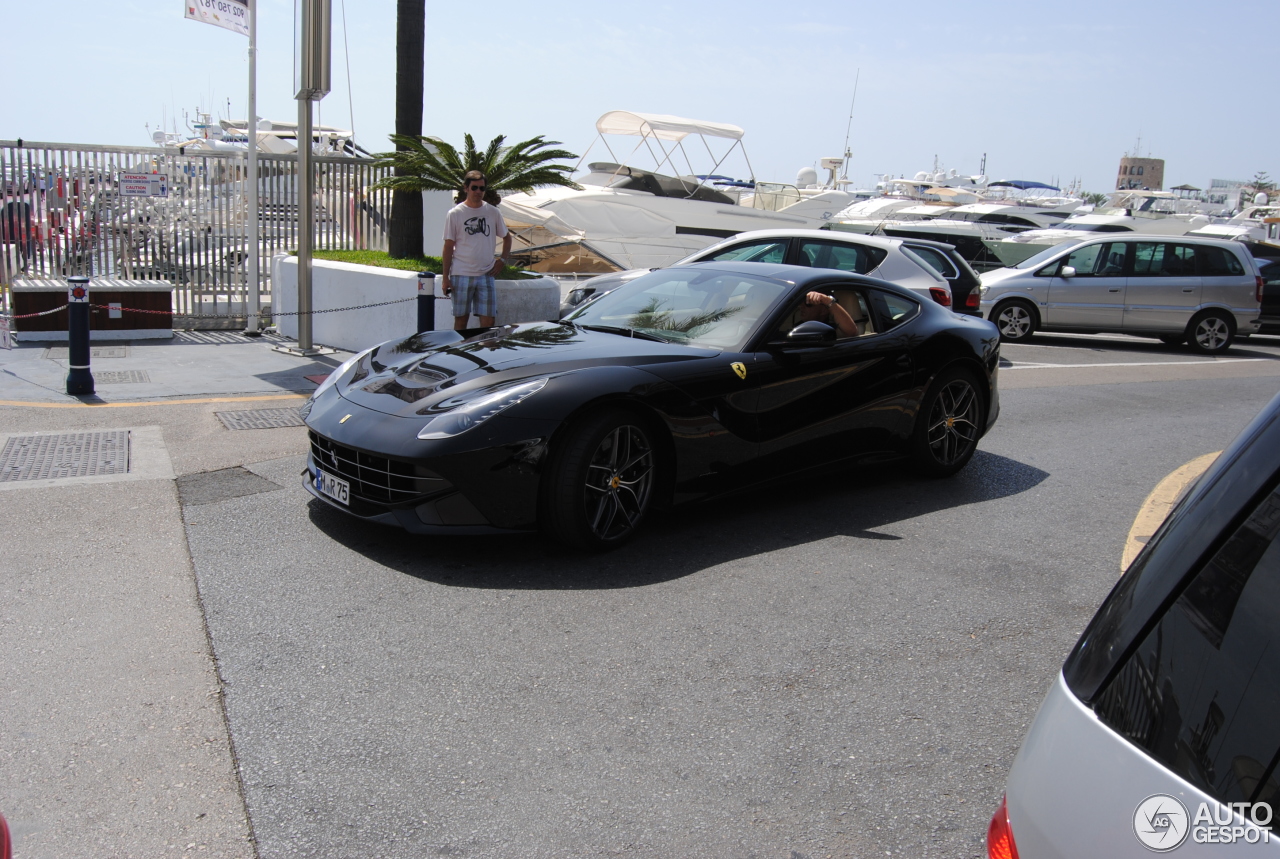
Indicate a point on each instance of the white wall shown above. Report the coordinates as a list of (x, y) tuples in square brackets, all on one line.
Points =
[(340, 284)]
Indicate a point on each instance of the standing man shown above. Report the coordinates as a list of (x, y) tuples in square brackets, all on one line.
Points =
[(470, 229)]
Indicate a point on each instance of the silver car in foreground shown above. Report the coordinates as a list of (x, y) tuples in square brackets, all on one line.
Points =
[(1162, 732), (899, 261), (1204, 292)]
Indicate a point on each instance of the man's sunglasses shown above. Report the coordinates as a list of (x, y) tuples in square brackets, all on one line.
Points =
[(477, 187)]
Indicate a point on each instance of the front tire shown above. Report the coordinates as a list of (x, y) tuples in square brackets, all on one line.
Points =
[(599, 485), (949, 424), (1016, 321), (1211, 333)]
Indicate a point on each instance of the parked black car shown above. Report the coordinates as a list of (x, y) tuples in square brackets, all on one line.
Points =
[(681, 384)]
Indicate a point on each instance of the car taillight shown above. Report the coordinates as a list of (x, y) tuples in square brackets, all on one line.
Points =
[(1000, 834), (972, 300), (940, 295), (1258, 281)]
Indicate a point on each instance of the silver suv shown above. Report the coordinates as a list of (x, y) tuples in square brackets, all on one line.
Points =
[(1203, 292)]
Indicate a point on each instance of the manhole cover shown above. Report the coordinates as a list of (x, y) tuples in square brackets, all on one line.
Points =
[(260, 419), (121, 377), (61, 353), (58, 455)]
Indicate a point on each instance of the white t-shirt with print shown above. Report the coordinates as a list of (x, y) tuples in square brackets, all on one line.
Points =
[(474, 233)]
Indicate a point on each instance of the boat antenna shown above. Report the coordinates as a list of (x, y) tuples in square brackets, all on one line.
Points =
[(849, 127)]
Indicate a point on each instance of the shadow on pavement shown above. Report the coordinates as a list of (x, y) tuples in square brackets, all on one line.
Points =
[(677, 543)]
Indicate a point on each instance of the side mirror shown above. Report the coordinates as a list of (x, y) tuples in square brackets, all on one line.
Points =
[(1067, 271), (811, 333)]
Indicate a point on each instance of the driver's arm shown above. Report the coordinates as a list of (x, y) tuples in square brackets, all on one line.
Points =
[(840, 317)]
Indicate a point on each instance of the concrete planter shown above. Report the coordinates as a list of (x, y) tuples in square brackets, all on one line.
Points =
[(340, 284)]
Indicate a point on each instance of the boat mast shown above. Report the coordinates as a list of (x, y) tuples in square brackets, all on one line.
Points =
[(849, 127)]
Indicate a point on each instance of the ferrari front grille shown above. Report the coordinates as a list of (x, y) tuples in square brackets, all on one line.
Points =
[(374, 478)]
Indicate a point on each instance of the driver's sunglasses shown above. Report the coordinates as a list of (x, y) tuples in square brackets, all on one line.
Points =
[(477, 187)]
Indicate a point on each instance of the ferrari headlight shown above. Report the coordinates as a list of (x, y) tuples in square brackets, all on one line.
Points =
[(476, 407), (337, 374)]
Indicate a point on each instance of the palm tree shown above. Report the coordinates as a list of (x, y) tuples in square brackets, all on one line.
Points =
[(431, 164), (404, 235)]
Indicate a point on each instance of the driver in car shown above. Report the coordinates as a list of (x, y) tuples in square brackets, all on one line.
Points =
[(820, 307)]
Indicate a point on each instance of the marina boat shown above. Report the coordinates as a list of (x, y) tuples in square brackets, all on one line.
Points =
[(628, 217), (1158, 213), (1254, 224)]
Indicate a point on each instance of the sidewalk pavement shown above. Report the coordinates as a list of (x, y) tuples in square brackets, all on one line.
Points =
[(113, 740)]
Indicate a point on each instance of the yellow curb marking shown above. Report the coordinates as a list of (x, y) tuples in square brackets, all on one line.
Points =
[(1158, 504), (26, 405)]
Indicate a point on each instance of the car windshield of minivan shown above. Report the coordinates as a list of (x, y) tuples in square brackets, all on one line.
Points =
[(697, 307)]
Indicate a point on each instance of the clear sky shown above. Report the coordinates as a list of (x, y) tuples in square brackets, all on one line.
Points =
[(1047, 90)]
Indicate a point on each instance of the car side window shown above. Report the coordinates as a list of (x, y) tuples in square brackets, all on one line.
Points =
[(936, 259), (892, 309), (1202, 690), (774, 251), (853, 302), (840, 255), (1218, 262), (1100, 260)]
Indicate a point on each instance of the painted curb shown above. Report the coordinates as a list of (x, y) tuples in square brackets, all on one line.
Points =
[(1158, 504)]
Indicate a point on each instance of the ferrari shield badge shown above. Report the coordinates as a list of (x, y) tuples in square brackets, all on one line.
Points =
[(740, 369)]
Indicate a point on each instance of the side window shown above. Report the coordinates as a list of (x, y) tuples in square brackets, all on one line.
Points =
[(1218, 262), (850, 315), (1180, 260), (1148, 259), (839, 255), (892, 309), (1085, 261), (1201, 692), (936, 259), (766, 251)]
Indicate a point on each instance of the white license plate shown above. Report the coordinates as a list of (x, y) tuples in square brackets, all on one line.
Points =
[(335, 487)]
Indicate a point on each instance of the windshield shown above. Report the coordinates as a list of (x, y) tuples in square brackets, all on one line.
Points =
[(1045, 255), (693, 306)]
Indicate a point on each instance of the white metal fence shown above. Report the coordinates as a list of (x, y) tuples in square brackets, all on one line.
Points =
[(65, 209)]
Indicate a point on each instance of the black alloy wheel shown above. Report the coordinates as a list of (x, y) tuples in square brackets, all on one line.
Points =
[(600, 482), (1211, 333), (949, 424), (1016, 321)]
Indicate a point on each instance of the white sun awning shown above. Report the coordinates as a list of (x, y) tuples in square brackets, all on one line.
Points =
[(662, 126)]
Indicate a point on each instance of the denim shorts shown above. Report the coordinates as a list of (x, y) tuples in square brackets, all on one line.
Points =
[(474, 294)]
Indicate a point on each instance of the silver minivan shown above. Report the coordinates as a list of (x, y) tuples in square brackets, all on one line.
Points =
[(1204, 292)]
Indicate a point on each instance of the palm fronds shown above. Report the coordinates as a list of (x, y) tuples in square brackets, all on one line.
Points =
[(432, 164)]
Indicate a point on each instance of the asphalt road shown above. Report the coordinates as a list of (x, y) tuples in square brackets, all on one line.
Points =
[(842, 667)]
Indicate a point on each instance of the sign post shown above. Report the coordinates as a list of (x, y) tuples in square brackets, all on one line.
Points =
[(311, 83)]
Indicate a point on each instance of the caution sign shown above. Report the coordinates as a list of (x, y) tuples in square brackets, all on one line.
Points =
[(144, 185)]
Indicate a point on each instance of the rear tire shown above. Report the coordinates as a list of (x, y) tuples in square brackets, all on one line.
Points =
[(599, 484), (1016, 320), (1211, 333), (949, 424)]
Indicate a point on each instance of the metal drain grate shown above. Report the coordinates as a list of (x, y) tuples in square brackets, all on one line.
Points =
[(72, 454), (260, 419), (60, 353), (121, 377)]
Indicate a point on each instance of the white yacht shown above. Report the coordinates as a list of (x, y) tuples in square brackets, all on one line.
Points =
[(628, 217), (1158, 213)]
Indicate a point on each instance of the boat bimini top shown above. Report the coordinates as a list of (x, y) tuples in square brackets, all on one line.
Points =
[(667, 134)]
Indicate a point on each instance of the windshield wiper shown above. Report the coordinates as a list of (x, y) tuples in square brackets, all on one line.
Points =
[(626, 332)]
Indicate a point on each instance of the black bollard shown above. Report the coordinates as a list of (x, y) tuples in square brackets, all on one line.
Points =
[(79, 379), (426, 301)]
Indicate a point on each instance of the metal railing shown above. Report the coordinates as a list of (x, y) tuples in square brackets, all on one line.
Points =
[(65, 210)]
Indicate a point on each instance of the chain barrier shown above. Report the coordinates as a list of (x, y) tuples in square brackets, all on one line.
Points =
[(217, 315), (41, 313)]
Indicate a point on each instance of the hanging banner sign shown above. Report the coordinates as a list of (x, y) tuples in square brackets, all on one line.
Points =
[(143, 185), (228, 14)]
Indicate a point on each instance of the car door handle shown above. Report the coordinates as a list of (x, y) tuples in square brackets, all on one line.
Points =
[(1189, 289), (904, 360), (1114, 289)]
